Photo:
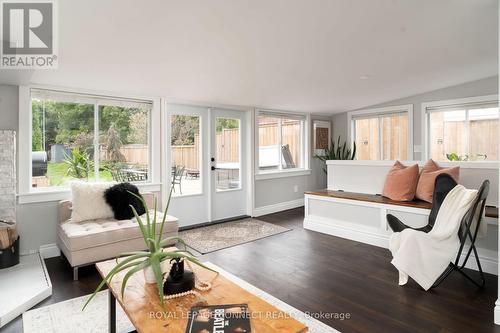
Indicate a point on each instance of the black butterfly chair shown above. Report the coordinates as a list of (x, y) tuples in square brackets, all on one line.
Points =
[(442, 186), (468, 229)]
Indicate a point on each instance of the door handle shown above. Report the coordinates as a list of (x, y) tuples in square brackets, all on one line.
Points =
[(214, 168)]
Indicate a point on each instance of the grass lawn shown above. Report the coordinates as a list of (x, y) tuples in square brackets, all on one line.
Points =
[(58, 174)]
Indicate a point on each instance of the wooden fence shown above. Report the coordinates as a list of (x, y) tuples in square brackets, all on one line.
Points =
[(449, 137), (394, 138)]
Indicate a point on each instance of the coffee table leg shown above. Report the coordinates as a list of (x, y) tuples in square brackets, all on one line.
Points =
[(112, 312)]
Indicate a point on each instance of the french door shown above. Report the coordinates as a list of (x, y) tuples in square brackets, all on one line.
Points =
[(228, 170), (207, 158)]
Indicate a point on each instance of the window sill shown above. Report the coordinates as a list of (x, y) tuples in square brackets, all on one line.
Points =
[(60, 193), (282, 174)]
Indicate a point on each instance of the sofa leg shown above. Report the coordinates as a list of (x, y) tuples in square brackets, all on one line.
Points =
[(75, 273)]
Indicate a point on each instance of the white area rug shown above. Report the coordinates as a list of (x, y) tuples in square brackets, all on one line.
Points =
[(67, 316), (227, 234)]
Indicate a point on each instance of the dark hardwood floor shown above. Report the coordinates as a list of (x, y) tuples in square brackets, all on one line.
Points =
[(318, 273)]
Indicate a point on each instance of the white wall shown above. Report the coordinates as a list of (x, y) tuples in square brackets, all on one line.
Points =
[(487, 86), (9, 105)]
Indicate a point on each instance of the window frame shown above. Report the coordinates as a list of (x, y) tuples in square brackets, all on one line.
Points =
[(27, 194), (458, 102), (304, 142), (387, 110)]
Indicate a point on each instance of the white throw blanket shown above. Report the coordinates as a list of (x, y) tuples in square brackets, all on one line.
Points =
[(424, 256)]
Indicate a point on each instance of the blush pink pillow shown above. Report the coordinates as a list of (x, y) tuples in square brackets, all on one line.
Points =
[(401, 182), (430, 171)]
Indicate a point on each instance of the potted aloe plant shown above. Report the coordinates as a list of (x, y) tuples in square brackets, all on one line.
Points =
[(151, 258)]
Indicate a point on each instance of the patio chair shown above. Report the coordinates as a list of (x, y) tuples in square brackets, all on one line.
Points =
[(177, 173), (287, 156)]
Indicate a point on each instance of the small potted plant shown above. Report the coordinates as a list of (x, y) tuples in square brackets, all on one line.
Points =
[(151, 258)]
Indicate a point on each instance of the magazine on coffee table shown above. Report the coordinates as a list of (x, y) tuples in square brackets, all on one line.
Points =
[(227, 318)]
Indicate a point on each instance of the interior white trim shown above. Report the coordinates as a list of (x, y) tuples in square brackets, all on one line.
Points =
[(269, 209), (61, 193), (384, 110), (282, 174), (456, 101), (461, 164), (49, 251)]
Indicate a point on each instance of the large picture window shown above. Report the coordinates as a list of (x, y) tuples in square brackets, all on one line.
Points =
[(463, 132), (381, 134), (280, 141), (81, 137)]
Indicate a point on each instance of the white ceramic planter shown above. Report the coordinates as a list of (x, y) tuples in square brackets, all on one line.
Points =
[(149, 275)]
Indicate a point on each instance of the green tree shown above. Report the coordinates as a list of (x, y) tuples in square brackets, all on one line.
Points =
[(184, 129), (36, 132)]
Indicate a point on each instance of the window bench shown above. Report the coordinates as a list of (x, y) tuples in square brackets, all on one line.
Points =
[(362, 217), (490, 211)]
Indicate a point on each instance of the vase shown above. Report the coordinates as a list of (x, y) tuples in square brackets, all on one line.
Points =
[(149, 275)]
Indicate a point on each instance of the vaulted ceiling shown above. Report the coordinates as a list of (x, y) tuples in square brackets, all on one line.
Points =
[(314, 55)]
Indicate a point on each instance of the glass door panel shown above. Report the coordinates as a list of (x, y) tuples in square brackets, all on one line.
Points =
[(227, 160)]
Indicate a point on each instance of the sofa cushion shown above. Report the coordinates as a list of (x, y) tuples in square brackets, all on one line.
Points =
[(119, 198), (86, 234), (88, 201), (430, 171), (401, 182)]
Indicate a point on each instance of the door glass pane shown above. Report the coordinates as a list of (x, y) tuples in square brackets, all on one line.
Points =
[(62, 142), (123, 143), (447, 134), (483, 129), (227, 144), (185, 155), (395, 137), (291, 146), (367, 138), (269, 143)]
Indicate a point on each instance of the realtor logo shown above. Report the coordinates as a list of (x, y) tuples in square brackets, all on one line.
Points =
[(28, 34)]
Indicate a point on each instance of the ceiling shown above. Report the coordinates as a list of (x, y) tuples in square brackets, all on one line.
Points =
[(323, 56)]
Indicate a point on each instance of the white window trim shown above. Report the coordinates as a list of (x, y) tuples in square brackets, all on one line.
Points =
[(26, 194), (270, 174), (380, 111), (444, 103)]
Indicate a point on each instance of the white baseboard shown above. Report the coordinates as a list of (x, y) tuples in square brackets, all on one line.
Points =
[(49, 251), (264, 210), (489, 262), (496, 319)]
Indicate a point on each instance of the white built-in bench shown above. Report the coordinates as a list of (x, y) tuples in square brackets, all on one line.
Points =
[(353, 208)]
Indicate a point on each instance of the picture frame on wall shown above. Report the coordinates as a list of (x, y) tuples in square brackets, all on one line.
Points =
[(322, 136)]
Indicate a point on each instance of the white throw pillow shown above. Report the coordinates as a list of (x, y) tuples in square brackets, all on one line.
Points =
[(88, 201)]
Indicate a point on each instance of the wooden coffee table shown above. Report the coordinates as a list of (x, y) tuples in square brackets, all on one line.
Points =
[(142, 305)]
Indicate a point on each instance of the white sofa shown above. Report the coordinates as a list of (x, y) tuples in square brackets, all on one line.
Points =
[(87, 242)]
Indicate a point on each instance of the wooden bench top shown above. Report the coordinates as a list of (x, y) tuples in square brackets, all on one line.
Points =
[(376, 198)]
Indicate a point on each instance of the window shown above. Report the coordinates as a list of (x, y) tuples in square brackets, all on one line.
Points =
[(83, 137), (382, 134), (185, 154), (462, 131), (281, 141)]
